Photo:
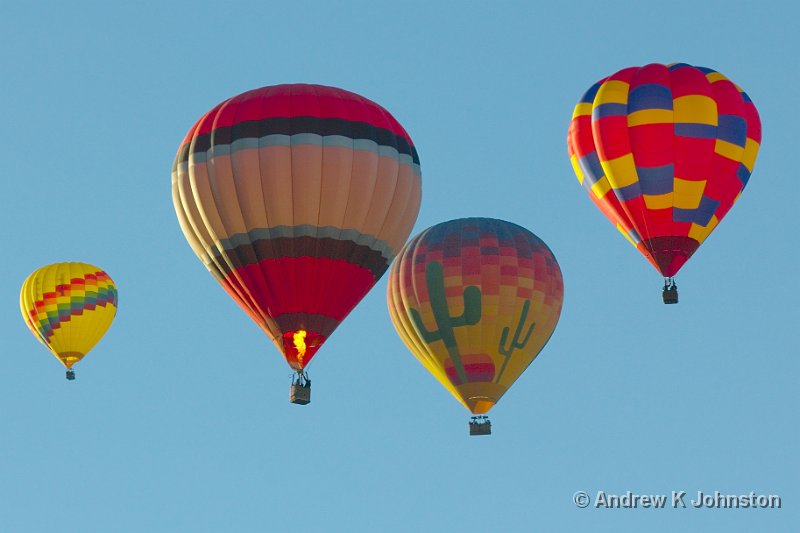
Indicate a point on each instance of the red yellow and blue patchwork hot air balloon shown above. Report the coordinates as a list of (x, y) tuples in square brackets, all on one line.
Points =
[(68, 307), (296, 198), (664, 151), (475, 300)]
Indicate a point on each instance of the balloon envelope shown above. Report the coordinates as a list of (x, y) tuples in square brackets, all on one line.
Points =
[(296, 198), (664, 151), (68, 307), (475, 300)]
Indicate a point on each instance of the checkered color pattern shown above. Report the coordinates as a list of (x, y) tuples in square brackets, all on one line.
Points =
[(664, 151), (513, 270)]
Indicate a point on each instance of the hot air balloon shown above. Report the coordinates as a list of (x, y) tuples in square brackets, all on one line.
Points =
[(297, 198), (68, 307), (475, 300), (664, 151)]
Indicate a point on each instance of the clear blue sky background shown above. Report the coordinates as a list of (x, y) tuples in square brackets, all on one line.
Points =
[(179, 419)]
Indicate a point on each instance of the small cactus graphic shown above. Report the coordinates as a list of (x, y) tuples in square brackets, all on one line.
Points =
[(515, 343), (434, 277)]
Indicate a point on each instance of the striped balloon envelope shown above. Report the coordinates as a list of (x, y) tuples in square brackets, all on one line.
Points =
[(297, 198), (664, 151), (68, 307), (475, 300)]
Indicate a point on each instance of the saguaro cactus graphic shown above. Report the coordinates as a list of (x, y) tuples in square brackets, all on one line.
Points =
[(515, 342), (434, 277)]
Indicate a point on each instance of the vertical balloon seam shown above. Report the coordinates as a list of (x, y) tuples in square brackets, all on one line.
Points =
[(428, 352), (319, 270), (99, 328), (51, 275), (394, 289), (203, 226), (27, 302), (702, 87), (605, 203), (674, 159), (339, 289), (238, 247), (209, 210), (719, 87), (717, 97), (642, 209), (304, 196), (257, 276), (505, 236), (267, 324), (422, 354), (383, 232)]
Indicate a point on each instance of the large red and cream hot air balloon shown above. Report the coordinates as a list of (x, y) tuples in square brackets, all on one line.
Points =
[(297, 198), (664, 151)]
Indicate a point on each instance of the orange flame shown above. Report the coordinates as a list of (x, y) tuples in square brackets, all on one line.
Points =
[(300, 344)]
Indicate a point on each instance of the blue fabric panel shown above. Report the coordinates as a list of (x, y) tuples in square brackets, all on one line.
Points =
[(656, 180)]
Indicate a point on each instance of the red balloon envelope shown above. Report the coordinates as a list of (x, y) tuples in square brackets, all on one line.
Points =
[(664, 151), (296, 198)]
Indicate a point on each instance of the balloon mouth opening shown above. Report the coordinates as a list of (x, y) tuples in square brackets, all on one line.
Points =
[(480, 406), (299, 346), (70, 358)]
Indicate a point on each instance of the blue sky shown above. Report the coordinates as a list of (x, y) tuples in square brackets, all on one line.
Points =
[(179, 419)]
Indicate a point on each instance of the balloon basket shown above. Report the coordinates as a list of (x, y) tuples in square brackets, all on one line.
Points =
[(670, 292), (300, 391), (480, 425), (70, 375)]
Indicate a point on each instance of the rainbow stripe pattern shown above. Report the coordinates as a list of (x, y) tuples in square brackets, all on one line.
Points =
[(69, 307)]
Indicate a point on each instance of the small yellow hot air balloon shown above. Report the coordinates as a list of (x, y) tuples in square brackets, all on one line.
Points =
[(68, 307)]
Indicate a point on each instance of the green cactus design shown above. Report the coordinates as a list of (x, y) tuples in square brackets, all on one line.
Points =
[(434, 277), (515, 343)]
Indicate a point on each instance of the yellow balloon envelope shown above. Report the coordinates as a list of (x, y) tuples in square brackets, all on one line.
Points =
[(68, 307), (475, 300)]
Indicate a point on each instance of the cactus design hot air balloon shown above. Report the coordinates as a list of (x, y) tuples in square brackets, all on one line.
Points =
[(664, 151), (297, 198), (475, 300), (68, 307)]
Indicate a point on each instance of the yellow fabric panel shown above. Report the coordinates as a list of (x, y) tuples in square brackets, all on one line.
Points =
[(577, 168), (750, 152), (602, 186), (583, 109), (715, 76), (699, 233), (650, 116), (625, 234), (687, 194), (695, 109), (658, 201), (612, 92), (621, 171), (729, 150)]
